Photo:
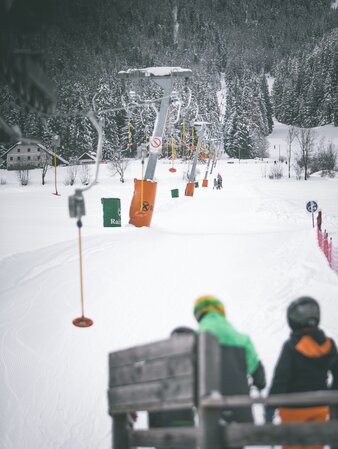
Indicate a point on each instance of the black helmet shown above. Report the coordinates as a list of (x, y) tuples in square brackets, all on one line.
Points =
[(303, 312)]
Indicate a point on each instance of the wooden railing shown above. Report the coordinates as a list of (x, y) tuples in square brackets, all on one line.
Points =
[(183, 372)]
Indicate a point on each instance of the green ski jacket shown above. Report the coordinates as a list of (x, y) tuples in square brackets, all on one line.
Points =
[(227, 335)]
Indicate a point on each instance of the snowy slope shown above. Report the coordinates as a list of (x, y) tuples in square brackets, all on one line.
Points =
[(252, 244)]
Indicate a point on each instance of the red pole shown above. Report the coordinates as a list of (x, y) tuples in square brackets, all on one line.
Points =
[(319, 220), (320, 239), (330, 252), (326, 245)]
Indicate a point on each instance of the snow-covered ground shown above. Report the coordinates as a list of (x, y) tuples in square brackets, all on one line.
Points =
[(252, 244)]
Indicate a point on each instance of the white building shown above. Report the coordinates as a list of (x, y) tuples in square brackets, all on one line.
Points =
[(30, 155)]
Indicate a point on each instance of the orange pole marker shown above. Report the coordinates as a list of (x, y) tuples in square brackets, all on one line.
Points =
[(190, 188), (142, 204)]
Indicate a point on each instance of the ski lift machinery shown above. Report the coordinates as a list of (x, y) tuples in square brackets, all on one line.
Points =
[(143, 201)]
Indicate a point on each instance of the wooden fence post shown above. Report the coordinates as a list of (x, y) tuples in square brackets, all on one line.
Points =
[(120, 432), (333, 417), (209, 381)]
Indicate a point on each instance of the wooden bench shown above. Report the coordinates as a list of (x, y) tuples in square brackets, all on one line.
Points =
[(184, 372)]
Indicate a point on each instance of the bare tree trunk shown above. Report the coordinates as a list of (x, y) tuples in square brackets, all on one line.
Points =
[(306, 139), (44, 169), (292, 133)]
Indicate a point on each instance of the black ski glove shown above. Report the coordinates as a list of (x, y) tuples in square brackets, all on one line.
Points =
[(258, 377)]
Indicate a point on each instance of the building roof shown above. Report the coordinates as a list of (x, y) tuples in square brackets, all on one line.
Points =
[(87, 155), (42, 147)]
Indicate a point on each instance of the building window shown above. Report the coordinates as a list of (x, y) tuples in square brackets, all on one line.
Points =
[(19, 150), (29, 150), (38, 150), (11, 158), (18, 158), (28, 158), (38, 158)]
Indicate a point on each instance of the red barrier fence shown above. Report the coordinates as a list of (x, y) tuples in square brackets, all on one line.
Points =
[(325, 244)]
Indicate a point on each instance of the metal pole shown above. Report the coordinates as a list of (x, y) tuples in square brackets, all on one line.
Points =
[(56, 144), (56, 189), (167, 86), (207, 170), (200, 126), (193, 168)]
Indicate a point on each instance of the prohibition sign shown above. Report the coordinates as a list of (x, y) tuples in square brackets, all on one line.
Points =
[(156, 143)]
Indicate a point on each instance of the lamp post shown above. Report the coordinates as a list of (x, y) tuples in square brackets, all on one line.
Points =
[(56, 144)]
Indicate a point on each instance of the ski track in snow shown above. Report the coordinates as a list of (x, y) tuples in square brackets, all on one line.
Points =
[(251, 243)]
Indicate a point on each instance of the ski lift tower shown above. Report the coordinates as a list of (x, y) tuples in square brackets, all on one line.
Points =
[(142, 205), (200, 128)]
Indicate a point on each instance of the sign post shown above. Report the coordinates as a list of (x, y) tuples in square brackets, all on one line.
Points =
[(312, 206), (56, 144)]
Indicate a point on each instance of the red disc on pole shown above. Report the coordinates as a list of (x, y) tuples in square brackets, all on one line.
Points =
[(82, 321), (172, 169)]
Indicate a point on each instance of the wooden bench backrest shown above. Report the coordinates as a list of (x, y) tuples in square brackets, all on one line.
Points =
[(155, 376)]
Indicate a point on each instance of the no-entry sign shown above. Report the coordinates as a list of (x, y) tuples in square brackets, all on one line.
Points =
[(155, 145)]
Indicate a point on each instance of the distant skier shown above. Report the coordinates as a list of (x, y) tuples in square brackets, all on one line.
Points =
[(304, 363), (219, 182), (215, 183)]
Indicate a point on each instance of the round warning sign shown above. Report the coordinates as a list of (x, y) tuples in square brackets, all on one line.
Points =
[(155, 145), (311, 206)]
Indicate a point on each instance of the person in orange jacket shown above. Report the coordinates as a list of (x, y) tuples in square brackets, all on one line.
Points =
[(305, 361)]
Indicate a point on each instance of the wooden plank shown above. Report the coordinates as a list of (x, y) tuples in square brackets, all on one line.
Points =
[(182, 437), (236, 435), (334, 416), (184, 344), (209, 375), (310, 398), (121, 435), (152, 395), (151, 370)]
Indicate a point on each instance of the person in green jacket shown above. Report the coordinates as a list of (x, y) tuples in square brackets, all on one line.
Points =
[(241, 366)]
